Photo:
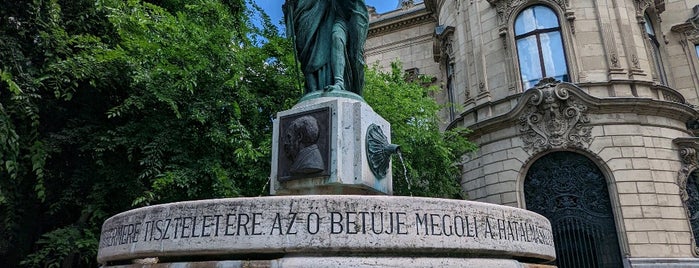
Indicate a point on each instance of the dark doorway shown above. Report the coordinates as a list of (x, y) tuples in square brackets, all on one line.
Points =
[(571, 191)]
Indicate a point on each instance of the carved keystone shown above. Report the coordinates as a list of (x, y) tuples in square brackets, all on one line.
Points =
[(552, 119)]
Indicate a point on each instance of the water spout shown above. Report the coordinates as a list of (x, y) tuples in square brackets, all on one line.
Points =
[(391, 149)]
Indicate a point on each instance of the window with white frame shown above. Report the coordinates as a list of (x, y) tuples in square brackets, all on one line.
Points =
[(540, 46)]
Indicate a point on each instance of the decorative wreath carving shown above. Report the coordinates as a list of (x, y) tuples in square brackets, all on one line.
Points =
[(554, 119)]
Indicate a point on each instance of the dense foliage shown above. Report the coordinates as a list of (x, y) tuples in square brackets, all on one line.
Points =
[(430, 155), (107, 105)]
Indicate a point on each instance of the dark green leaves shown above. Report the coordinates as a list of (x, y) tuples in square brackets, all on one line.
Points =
[(431, 156), (106, 105)]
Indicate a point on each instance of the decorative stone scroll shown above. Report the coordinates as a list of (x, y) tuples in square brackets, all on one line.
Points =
[(641, 6), (690, 32), (553, 119), (690, 163), (443, 43)]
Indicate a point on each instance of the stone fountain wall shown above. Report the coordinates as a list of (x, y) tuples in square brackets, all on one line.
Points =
[(298, 231)]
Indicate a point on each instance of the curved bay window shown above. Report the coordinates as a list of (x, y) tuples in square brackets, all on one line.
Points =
[(655, 49), (540, 46)]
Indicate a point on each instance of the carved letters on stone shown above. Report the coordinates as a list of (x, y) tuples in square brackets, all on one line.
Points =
[(554, 119)]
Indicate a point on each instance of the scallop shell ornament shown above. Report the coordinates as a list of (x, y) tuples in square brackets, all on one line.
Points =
[(379, 151)]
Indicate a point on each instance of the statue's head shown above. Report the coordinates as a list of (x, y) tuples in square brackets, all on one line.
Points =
[(301, 133)]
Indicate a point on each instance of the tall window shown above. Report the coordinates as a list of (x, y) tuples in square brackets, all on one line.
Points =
[(655, 50), (540, 46), (697, 47), (450, 89)]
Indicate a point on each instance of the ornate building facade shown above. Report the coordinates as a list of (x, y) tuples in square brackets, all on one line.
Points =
[(584, 111)]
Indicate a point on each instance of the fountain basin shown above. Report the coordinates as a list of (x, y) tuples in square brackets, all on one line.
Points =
[(289, 229)]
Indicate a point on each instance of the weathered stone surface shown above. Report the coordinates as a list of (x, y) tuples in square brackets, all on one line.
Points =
[(342, 144), (325, 225), (664, 262), (356, 262)]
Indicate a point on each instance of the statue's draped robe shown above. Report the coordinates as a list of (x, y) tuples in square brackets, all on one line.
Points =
[(311, 23)]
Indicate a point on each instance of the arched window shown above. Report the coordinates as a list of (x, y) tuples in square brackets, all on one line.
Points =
[(655, 49), (540, 46), (697, 48)]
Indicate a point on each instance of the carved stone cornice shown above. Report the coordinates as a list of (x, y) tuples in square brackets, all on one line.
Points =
[(688, 30), (400, 20), (660, 6), (431, 5), (640, 106), (553, 119), (688, 148), (641, 6), (443, 46)]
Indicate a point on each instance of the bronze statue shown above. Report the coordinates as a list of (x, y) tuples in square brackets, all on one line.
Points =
[(329, 38)]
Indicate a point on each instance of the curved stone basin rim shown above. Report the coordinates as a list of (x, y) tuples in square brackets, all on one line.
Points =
[(318, 224)]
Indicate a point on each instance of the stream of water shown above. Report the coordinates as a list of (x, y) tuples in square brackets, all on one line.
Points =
[(265, 187), (405, 171)]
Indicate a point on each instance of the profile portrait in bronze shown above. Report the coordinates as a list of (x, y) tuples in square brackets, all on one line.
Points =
[(301, 148)]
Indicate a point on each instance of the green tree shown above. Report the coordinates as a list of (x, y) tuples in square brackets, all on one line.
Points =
[(108, 105), (430, 155)]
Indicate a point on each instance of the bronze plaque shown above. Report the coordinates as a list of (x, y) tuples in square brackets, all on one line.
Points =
[(304, 145)]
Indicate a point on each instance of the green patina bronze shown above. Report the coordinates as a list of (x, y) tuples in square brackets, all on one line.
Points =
[(329, 37), (379, 151)]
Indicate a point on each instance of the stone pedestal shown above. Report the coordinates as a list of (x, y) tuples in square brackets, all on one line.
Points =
[(335, 160), (333, 148)]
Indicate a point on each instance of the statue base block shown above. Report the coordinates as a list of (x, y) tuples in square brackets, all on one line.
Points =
[(320, 147)]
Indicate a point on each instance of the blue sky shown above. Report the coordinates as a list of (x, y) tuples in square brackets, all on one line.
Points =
[(274, 7)]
